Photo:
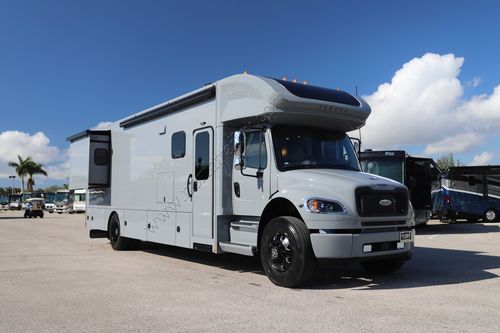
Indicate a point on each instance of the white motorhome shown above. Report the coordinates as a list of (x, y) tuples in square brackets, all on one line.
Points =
[(249, 165), (79, 200)]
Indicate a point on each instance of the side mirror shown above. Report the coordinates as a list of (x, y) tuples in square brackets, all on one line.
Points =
[(239, 150), (356, 143)]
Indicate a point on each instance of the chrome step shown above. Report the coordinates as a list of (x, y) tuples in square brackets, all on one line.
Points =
[(243, 249)]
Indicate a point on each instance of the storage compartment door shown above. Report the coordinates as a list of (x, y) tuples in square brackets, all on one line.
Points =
[(100, 159)]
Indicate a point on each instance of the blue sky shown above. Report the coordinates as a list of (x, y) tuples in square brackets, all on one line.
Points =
[(67, 65)]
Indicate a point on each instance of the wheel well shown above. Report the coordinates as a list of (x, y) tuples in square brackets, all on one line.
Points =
[(277, 207)]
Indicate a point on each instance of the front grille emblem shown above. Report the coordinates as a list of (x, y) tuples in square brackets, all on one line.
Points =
[(385, 202)]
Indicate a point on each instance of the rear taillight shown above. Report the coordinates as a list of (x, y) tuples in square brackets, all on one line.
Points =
[(446, 199)]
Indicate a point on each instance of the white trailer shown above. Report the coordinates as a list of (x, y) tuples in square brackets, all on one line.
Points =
[(249, 165)]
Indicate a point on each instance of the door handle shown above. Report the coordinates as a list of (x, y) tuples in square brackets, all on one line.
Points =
[(188, 185), (195, 186)]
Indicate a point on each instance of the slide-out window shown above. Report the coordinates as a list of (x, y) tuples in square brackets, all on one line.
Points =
[(178, 144), (101, 156)]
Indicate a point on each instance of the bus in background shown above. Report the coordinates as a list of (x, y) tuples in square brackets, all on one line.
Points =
[(50, 205), (469, 192), (420, 175), (79, 201), (15, 202), (63, 202), (4, 202)]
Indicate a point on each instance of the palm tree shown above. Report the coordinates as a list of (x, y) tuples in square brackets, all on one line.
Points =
[(33, 169), (21, 168)]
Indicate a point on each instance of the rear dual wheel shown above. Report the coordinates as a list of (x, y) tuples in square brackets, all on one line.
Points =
[(286, 252), (118, 242)]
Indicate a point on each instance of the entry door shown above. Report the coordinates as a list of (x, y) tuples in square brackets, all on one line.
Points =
[(202, 183), (418, 181)]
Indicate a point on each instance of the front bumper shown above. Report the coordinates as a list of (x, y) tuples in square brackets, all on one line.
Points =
[(350, 246), (62, 210)]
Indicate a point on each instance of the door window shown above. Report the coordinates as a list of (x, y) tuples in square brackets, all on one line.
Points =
[(202, 156), (255, 152)]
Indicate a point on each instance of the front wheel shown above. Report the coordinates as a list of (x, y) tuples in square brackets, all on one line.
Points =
[(383, 266), (286, 252)]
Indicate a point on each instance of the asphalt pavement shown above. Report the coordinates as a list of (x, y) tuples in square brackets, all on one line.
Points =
[(54, 278)]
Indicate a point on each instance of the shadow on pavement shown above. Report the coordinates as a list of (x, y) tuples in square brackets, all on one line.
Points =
[(428, 267), (229, 261)]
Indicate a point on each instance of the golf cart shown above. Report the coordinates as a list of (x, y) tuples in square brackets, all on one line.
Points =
[(34, 208)]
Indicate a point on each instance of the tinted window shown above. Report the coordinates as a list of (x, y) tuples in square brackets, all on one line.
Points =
[(178, 144), (101, 156), (255, 152), (202, 156), (392, 169), (323, 94)]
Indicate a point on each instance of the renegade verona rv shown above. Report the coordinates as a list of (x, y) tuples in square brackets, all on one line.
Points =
[(249, 165)]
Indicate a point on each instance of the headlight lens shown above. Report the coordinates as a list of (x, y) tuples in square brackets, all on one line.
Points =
[(321, 206)]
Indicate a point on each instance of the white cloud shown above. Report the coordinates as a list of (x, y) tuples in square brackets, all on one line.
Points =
[(37, 146), (482, 159), (103, 125), (424, 105), (455, 144), (482, 108)]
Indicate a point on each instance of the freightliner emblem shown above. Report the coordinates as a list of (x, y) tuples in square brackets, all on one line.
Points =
[(385, 202)]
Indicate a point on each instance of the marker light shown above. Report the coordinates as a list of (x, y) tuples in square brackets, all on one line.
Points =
[(320, 206), (284, 78)]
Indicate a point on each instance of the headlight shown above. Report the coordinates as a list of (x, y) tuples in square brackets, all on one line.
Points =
[(321, 206)]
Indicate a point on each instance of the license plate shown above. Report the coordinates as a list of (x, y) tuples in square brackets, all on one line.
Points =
[(405, 236)]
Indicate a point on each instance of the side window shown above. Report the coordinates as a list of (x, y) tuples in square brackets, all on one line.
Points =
[(202, 156), (101, 156), (178, 148), (255, 151)]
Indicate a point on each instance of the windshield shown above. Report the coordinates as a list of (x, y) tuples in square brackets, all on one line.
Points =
[(25, 196), (312, 148), (79, 196), (392, 169), (61, 196), (49, 197), (15, 198)]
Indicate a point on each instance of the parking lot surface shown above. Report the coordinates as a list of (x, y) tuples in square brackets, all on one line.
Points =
[(54, 278)]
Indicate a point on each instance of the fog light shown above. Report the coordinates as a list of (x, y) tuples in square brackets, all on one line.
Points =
[(367, 248), (400, 245)]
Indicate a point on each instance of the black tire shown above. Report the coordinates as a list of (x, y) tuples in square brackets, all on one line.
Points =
[(383, 266), (490, 215), (118, 242), (286, 252)]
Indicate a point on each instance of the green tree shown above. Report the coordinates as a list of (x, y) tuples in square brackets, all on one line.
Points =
[(33, 169), (21, 168), (446, 161)]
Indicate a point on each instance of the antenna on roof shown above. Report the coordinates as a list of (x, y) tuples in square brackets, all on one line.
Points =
[(356, 90)]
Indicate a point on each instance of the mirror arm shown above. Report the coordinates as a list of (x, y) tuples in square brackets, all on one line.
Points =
[(258, 174)]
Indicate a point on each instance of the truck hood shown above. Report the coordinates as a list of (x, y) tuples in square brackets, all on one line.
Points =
[(333, 177), (334, 184)]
